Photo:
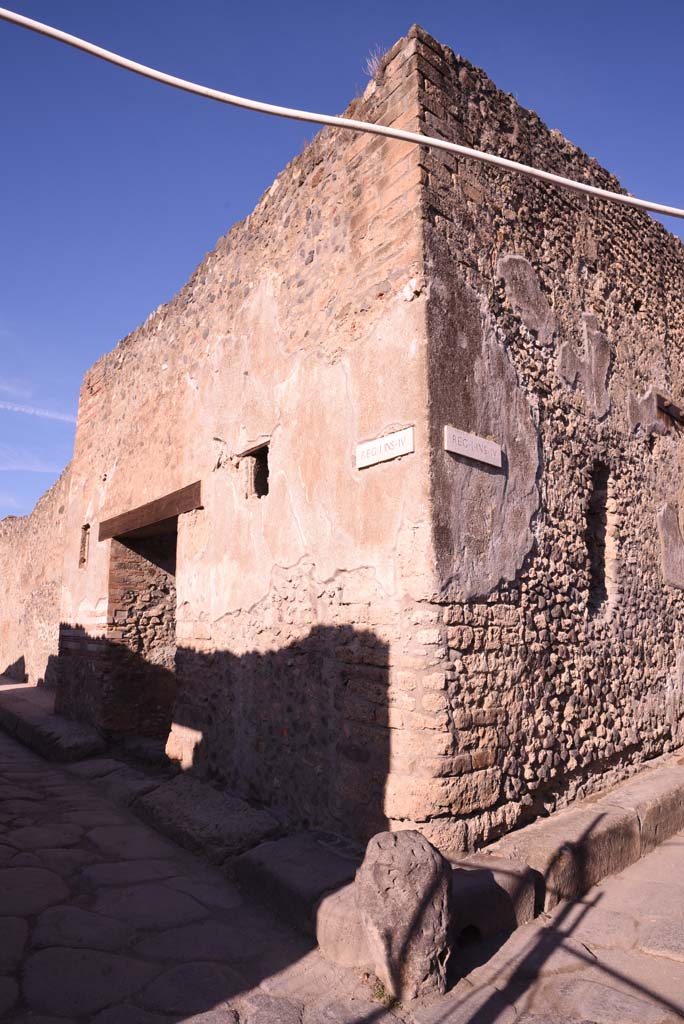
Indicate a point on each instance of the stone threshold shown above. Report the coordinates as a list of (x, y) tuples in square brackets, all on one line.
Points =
[(27, 713)]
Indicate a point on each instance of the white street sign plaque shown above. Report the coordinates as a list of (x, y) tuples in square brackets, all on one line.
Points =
[(382, 449), (472, 446)]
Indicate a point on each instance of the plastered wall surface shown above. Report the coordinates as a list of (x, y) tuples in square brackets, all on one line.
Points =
[(300, 655)]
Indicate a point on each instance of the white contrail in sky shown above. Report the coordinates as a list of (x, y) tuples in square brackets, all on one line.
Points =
[(31, 410), (23, 461), (13, 387)]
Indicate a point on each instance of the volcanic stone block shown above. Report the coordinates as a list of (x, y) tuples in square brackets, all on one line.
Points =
[(403, 897), (203, 818)]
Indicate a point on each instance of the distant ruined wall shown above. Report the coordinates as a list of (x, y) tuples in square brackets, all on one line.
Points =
[(553, 322), (31, 552)]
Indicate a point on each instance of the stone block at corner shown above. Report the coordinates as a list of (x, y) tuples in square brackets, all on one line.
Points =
[(200, 817), (292, 875)]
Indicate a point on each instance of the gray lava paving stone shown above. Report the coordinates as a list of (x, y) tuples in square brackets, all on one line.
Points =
[(73, 926), (191, 988), (134, 842), (129, 872), (150, 905), (13, 932), (27, 890), (37, 837), (81, 981)]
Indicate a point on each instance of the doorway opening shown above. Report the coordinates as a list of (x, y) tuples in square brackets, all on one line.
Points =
[(142, 626)]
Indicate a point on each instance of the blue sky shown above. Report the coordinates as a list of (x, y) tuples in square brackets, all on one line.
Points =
[(113, 188)]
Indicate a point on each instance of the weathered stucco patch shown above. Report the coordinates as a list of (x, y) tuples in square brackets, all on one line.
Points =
[(643, 412), (529, 302), (591, 368), (526, 297), (671, 546), (481, 514)]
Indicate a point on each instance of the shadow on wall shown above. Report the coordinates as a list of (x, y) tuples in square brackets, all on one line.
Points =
[(303, 729), (17, 671)]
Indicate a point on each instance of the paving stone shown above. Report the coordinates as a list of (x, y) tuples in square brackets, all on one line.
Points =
[(23, 808), (29, 890), (468, 1005), (94, 818), (65, 862), (73, 926), (191, 988), (94, 767), (13, 935), (662, 938), (26, 860), (638, 898), (655, 977), (9, 994), (131, 841), (532, 952), (126, 1014), (261, 1008), (301, 981), (291, 875), (127, 784), (81, 981), (129, 872), (219, 1015), (547, 1018), (351, 1011), (223, 895), (597, 927), (596, 1001), (209, 941), (9, 792), (39, 1018), (36, 837), (150, 905)]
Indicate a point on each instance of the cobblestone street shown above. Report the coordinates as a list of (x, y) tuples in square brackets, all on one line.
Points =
[(104, 920)]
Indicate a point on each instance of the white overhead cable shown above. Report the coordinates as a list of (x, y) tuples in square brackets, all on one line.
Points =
[(349, 124)]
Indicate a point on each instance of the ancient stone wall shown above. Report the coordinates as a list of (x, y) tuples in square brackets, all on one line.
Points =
[(31, 551), (430, 641), (554, 321)]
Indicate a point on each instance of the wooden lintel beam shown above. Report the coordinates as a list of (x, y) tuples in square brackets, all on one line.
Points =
[(175, 504)]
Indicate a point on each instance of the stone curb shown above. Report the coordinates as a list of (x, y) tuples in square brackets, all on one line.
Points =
[(31, 720), (495, 891), (575, 848)]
